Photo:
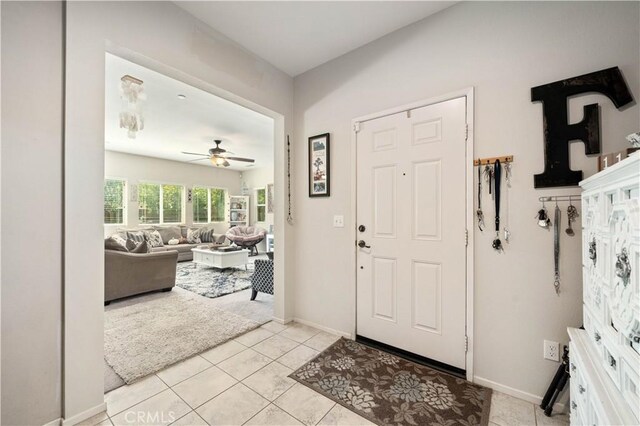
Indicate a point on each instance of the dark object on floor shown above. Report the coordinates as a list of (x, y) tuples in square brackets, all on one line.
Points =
[(247, 237), (557, 384), (427, 362), (262, 278), (558, 133), (387, 389), (128, 274)]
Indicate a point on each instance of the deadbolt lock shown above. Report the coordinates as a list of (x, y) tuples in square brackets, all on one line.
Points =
[(361, 228)]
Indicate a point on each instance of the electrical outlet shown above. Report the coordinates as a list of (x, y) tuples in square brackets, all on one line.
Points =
[(551, 350), (338, 221)]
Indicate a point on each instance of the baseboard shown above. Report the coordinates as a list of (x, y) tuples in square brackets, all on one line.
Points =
[(281, 321), (80, 417), (323, 328), (516, 393), (56, 422)]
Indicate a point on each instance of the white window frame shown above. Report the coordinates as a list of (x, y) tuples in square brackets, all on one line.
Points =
[(209, 188), (161, 201), (261, 205), (125, 200)]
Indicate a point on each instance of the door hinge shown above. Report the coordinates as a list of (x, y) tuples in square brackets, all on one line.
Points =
[(466, 132), (466, 343), (466, 238), (356, 127)]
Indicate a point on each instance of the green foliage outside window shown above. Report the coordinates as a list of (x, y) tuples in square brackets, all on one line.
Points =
[(114, 201), (261, 202), (171, 203), (153, 196), (200, 202), (208, 200)]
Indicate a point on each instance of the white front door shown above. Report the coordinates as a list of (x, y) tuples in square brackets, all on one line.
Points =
[(411, 280)]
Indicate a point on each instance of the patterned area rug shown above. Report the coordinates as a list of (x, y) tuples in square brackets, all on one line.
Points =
[(389, 390), (212, 282)]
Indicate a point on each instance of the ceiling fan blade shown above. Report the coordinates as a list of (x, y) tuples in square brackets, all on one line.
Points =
[(246, 160), (193, 153), (198, 159)]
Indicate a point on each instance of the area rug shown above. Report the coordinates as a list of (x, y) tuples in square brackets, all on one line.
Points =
[(143, 338), (212, 282), (389, 390)]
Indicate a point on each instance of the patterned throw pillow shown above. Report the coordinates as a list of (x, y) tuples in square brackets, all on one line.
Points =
[(142, 247), (115, 242), (154, 238), (206, 235), (137, 236), (193, 236)]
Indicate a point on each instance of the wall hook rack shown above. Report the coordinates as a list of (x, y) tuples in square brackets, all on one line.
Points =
[(558, 198), (491, 160)]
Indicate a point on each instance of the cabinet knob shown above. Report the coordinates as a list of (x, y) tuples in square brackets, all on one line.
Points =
[(573, 367), (581, 389), (597, 336), (573, 405)]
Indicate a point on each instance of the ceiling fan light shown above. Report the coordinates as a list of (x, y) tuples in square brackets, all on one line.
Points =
[(218, 161)]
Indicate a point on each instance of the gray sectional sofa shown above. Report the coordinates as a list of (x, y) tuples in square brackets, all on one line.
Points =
[(129, 273), (178, 232)]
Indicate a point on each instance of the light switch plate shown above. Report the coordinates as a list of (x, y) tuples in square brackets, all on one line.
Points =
[(338, 221)]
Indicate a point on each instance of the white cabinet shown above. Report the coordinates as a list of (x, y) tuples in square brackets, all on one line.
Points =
[(238, 210), (605, 356)]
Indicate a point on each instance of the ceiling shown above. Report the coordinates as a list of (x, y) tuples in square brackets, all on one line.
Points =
[(296, 36), (173, 125)]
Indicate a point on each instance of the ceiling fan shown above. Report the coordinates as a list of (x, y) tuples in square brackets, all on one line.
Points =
[(218, 157)]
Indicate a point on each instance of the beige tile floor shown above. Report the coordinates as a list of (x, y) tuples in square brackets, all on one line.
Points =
[(244, 382)]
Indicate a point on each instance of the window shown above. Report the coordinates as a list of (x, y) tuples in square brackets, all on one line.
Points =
[(261, 209), (114, 198), (160, 203), (208, 204)]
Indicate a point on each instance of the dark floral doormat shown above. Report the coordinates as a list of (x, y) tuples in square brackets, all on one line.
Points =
[(389, 390)]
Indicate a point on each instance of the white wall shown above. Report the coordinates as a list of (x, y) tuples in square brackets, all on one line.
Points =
[(162, 37), (31, 202), (502, 49), (135, 169)]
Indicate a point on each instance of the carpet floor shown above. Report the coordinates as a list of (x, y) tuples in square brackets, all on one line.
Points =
[(259, 311), (389, 390), (142, 338)]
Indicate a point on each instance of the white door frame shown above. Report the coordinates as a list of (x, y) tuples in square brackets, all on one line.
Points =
[(469, 94)]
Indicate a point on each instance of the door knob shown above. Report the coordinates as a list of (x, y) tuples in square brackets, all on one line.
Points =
[(362, 244)]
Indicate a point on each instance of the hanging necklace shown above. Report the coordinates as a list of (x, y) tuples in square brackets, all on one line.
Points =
[(479, 213), (556, 248), (497, 244), (289, 216), (507, 233)]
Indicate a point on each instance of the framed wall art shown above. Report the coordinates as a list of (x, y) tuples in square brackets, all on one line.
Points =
[(319, 169)]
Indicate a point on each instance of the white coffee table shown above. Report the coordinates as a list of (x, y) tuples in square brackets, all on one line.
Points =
[(219, 259)]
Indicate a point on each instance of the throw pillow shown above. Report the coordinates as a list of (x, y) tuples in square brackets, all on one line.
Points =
[(131, 245), (137, 236), (115, 242), (206, 235), (155, 239), (193, 236), (142, 247), (169, 232), (182, 240)]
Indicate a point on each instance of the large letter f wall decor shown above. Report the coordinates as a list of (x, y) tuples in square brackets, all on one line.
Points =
[(558, 133)]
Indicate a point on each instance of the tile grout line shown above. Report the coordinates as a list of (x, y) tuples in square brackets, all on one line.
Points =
[(327, 413)]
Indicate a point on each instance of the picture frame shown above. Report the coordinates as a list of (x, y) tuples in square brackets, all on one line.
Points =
[(319, 166)]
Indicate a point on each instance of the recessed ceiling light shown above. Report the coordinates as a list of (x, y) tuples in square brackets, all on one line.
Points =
[(182, 97)]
